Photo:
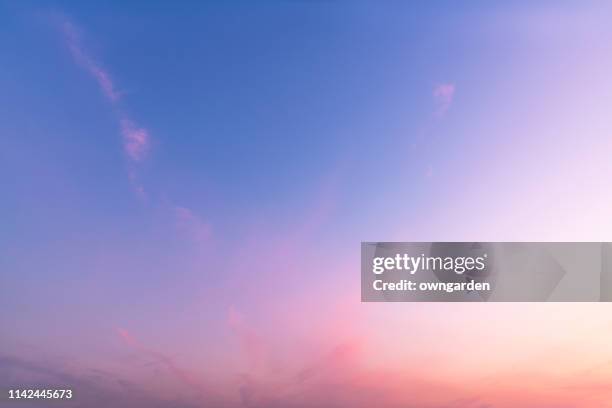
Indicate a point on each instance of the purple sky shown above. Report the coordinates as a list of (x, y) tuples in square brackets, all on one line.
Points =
[(185, 189)]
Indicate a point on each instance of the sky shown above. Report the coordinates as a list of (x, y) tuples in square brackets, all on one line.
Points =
[(185, 187)]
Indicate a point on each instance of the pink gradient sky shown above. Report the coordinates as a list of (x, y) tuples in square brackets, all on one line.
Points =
[(194, 242)]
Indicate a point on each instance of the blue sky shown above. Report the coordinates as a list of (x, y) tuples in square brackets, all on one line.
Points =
[(253, 103), (187, 186)]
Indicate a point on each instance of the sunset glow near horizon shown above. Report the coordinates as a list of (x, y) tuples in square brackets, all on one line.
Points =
[(186, 187)]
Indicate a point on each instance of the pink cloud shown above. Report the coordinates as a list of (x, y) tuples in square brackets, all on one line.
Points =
[(126, 337), (190, 223), (443, 95), (87, 62), (136, 140)]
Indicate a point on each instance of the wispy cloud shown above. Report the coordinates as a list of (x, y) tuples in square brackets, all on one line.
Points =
[(136, 139), (93, 388), (250, 342), (443, 95), (181, 374), (84, 59), (191, 224)]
